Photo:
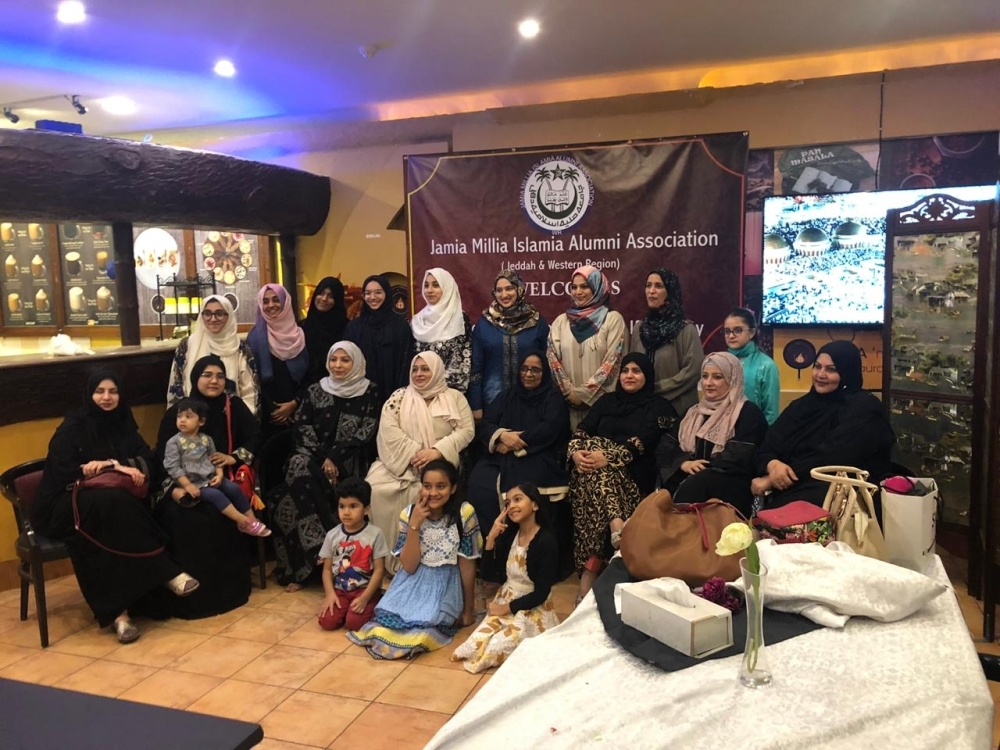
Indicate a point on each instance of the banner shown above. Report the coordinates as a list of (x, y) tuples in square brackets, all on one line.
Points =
[(625, 208)]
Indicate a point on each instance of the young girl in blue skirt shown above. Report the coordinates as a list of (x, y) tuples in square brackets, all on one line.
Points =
[(431, 597)]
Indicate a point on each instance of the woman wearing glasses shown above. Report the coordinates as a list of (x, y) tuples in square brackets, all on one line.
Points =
[(760, 374), (383, 336), (670, 341), (214, 332)]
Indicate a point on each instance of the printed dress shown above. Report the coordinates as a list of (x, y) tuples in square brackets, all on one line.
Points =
[(498, 636), (419, 610)]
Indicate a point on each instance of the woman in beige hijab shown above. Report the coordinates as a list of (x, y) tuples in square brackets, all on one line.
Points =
[(425, 421)]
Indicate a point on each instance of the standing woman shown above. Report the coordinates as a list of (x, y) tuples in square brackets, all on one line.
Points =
[(670, 341), (586, 344), (279, 349), (441, 327), (334, 439), (423, 422), (760, 374), (100, 436), (507, 330), (214, 332), (383, 337), (323, 325)]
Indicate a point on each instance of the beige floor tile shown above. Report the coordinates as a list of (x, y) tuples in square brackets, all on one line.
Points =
[(259, 596), (157, 648), (311, 635), (26, 633), (988, 648), (483, 679), (11, 654), (564, 599), (219, 657), (360, 677), (94, 642), (45, 667), (171, 689), (208, 625), (442, 656), (383, 727), (244, 701), (306, 601), (55, 598), (266, 626), (430, 688), (9, 617), (9, 596), (285, 666), (327, 716), (106, 678)]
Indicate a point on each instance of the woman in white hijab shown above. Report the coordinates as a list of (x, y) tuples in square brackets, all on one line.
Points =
[(334, 439), (443, 328), (214, 332), (422, 422)]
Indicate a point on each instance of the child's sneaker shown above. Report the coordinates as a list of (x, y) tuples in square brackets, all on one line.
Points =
[(253, 528)]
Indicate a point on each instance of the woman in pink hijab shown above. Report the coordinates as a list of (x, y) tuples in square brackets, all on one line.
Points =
[(279, 350)]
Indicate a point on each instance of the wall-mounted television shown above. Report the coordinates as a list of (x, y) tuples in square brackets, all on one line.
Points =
[(824, 255)]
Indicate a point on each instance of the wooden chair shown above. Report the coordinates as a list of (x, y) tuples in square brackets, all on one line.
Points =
[(19, 484)]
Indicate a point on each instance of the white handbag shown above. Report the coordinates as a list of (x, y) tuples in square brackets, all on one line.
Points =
[(910, 524), (849, 501)]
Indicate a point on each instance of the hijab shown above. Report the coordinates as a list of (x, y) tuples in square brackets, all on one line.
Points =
[(519, 316), (216, 404), (278, 337), (627, 403), (355, 384), (323, 329), (385, 313), (416, 414), (536, 396), (662, 324), (585, 321), (224, 344), (445, 320), (109, 431), (715, 420), (847, 359)]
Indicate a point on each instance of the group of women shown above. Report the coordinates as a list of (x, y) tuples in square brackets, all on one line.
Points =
[(592, 418)]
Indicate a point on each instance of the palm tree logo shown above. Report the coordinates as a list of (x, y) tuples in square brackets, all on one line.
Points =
[(556, 193)]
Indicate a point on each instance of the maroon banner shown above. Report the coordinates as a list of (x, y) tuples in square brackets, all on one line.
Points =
[(625, 208)]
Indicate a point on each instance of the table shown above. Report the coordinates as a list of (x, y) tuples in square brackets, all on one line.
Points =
[(912, 684), (36, 717)]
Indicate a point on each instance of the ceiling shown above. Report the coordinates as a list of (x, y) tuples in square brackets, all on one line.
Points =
[(301, 58)]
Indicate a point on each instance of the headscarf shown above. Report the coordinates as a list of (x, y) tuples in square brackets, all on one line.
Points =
[(519, 316), (584, 322), (215, 403), (443, 321), (355, 384), (715, 420), (278, 337), (323, 329), (521, 396), (847, 359), (627, 403), (662, 324), (224, 344), (113, 429), (416, 415), (385, 312)]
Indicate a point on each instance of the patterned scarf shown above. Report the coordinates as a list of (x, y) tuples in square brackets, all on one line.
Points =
[(519, 316), (715, 421), (584, 322), (662, 324)]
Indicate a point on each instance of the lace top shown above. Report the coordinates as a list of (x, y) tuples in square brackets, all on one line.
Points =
[(440, 542)]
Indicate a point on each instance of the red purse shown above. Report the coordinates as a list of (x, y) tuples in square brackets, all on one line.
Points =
[(798, 521), (110, 480)]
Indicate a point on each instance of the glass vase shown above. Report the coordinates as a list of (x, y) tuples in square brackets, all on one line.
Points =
[(754, 670)]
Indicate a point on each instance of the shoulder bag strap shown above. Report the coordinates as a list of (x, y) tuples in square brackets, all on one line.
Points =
[(89, 538)]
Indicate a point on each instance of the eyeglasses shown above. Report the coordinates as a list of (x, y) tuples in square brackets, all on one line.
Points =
[(212, 376), (378, 293), (531, 370), (217, 314), (738, 331)]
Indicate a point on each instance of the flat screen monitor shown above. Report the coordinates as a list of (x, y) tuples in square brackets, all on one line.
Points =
[(824, 255)]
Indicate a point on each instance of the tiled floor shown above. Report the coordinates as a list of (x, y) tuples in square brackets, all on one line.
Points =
[(266, 662), (269, 662)]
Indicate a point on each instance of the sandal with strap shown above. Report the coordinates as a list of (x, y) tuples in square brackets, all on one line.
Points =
[(254, 528), (182, 584), (127, 631)]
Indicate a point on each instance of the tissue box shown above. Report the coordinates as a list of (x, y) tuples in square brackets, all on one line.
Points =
[(696, 631)]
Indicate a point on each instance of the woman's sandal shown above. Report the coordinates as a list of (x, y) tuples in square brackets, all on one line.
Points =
[(182, 585), (127, 631), (254, 528)]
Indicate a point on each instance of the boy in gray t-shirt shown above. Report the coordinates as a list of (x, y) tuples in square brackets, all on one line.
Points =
[(353, 556)]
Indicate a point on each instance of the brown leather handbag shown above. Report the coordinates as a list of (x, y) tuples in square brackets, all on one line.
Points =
[(662, 539)]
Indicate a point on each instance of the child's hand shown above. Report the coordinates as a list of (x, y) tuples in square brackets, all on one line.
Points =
[(215, 481), (359, 604), (421, 510), (499, 526), (194, 492), (497, 609), (329, 604)]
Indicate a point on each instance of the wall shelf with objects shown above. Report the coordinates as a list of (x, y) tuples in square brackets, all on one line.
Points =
[(180, 299)]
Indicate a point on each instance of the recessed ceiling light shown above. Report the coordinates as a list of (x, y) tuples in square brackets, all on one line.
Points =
[(71, 11), (225, 68), (529, 28), (118, 105)]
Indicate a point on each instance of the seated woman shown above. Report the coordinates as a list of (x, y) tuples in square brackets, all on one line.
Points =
[(524, 433), (712, 454), (425, 421), (526, 559), (334, 439), (437, 543), (613, 452), (118, 554), (835, 424), (201, 538)]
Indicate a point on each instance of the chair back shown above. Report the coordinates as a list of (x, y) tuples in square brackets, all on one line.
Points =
[(19, 485)]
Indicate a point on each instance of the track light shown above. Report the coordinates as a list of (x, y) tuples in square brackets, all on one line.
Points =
[(10, 115), (75, 101)]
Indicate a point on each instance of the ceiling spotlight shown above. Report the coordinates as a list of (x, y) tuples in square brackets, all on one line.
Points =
[(225, 68), (71, 11), (118, 105), (77, 105), (529, 28), (10, 115)]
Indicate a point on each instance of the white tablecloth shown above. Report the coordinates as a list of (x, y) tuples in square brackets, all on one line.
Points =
[(911, 684)]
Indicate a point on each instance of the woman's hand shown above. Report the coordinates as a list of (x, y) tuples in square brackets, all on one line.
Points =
[(222, 459), (581, 461), (574, 399), (93, 468), (137, 476), (598, 460), (760, 486), (588, 461), (693, 467), (499, 526), (215, 481), (497, 609), (423, 457), (781, 475), (283, 413), (477, 414), (511, 440), (330, 471)]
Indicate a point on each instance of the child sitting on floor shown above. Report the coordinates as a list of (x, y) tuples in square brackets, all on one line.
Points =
[(431, 596), (357, 547), (523, 606), (187, 459)]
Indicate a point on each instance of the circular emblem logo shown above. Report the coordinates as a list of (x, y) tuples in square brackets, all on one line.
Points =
[(556, 193)]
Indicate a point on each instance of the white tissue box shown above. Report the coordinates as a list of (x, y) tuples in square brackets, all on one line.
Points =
[(696, 631)]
